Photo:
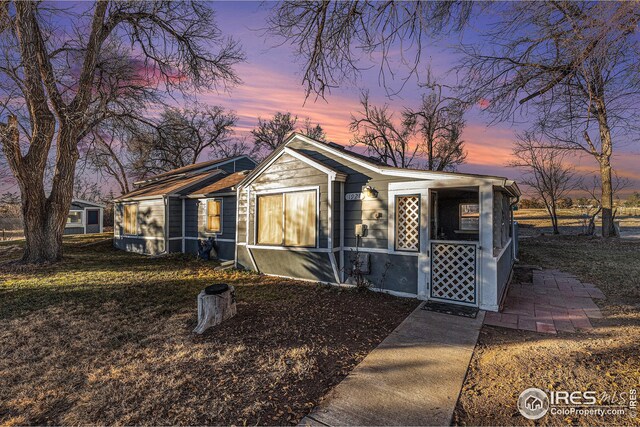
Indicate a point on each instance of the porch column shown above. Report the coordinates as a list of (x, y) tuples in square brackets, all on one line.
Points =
[(488, 291)]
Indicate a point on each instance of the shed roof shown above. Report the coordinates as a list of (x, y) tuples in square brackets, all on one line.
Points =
[(81, 204)]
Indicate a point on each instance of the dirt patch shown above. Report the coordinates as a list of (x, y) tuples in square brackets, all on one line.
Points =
[(7, 251), (105, 338), (506, 362)]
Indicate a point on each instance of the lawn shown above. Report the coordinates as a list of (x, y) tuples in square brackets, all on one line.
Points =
[(606, 360), (104, 337)]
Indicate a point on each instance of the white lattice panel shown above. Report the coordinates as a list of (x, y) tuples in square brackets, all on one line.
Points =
[(453, 272), (408, 223)]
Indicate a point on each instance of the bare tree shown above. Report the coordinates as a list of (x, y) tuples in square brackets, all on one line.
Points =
[(329, 37), (385, 138), (237, 146), (57, 84), (439, 122), (574, 64), (108, 151), (314, 131), (5, 172), (180, 138), (85, 189), (272, 133), (546, 173), (432, 132), (592, 188)]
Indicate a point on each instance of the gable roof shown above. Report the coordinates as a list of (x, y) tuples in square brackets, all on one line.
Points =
[(223, 185), (194, 168), (374, 165), (333, 173), (169, 186)]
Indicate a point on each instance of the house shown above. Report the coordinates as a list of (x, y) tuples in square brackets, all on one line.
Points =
[(319, 212), (84, 217), (172, 211)]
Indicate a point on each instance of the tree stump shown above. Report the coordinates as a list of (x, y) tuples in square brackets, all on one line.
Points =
[(216, 304)]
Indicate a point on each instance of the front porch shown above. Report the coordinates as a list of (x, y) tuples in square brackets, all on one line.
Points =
[(464, 238)]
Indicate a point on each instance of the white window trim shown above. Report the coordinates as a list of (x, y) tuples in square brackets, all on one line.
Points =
[(137, 227), (206, 216), (80, 224), (282, 191)]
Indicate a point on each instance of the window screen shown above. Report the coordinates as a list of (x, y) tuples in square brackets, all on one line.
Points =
[(288, 219), (92, 217), (74, 218), (130, 219), (214, 210), (408, 223), (469, 216)]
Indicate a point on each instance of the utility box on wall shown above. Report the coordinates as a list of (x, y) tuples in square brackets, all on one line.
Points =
[(361, 261), (361, 230)]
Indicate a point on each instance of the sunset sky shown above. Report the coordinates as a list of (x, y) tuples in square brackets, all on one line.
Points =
[(272, 82)]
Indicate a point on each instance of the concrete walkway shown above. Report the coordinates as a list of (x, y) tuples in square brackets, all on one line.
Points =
[(412, 378)]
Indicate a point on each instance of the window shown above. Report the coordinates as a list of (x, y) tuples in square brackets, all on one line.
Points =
[(469, 217), (74, 219), (288, 219), (408, 223), (270, 219), (131, 219), (214, 214), (93, 217)]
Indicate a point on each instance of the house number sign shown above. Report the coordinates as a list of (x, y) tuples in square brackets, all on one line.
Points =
[(354, 196)]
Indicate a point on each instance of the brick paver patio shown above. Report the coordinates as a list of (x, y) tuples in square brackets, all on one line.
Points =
[(555, 301)]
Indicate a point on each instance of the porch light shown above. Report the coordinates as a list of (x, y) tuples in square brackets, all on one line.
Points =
[(369, 191)]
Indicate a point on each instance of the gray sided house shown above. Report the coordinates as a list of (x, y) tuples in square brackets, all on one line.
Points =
[(172, 211), (84, 217), (320, 212)]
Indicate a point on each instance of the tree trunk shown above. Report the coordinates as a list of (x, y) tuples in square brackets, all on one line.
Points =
[(554, 219), (608, 229), (604, 159), (43, 244), (45, 218)]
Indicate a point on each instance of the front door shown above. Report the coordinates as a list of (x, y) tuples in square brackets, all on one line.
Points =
[(93, 221), (453, 264)]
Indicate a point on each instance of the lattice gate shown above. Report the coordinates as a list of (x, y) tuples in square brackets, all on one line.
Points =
[(454, 271)]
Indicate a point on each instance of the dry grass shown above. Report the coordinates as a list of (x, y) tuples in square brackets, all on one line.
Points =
[(534, 222), (506, 362), (105, 338)]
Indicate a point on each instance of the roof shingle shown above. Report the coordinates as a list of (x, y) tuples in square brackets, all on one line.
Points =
[(168, 186), (224, 184)]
